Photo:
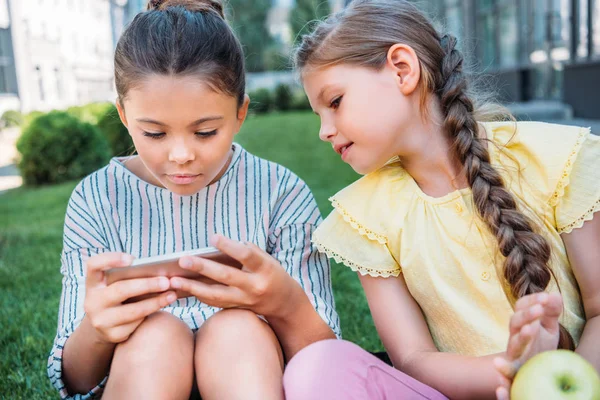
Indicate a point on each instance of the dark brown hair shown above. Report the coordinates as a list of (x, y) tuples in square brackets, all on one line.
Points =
[(181, 38), (362, 34)]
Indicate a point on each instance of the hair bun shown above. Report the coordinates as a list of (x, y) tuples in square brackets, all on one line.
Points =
[(191, 5)]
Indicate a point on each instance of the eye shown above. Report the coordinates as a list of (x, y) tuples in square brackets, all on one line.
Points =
[(335, 103), (154, 135), (206, 134)]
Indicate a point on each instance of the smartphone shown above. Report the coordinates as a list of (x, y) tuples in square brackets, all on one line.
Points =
[(168, 265)]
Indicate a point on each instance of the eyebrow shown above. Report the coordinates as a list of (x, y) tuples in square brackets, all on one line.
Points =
[(197, 122), (322, 92)]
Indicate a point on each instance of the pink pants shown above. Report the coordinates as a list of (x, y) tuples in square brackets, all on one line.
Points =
[(340, 370)]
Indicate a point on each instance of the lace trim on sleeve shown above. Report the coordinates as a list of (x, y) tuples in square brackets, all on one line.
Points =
[(383, 273), (357, 225), (578, 223), (564, 179)]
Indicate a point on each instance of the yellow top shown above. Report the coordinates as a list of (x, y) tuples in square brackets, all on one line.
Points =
[(384, 225)]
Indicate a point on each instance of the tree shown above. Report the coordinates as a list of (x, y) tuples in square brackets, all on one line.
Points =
[(249, 21), (304, 12)]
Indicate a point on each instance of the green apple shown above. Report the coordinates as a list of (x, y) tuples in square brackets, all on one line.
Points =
[(556, 375)]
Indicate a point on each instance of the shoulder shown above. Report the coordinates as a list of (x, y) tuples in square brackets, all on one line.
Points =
[(375, 203), (540, 153), (276, 177), (91, 185)]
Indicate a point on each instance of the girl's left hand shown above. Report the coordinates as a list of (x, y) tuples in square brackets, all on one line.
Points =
[(262, 285), (534, 328)]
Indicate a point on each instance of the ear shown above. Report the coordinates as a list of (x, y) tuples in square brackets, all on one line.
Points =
[(121, 112), (242, 112), (404, 62)]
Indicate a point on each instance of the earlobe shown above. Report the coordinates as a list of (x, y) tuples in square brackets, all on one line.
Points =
[(406, 65), (243, 112), (121, 112)]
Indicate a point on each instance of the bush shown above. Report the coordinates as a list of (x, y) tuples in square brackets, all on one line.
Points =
[(283, 97), (11, 118), (30, 117), (261, 101), (57, 147), (90, 113), (115, 132)]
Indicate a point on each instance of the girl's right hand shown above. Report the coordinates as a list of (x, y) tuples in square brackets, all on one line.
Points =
[(112, 320), (534, 328)]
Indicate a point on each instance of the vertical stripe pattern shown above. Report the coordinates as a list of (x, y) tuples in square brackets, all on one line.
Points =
[(255, 200)]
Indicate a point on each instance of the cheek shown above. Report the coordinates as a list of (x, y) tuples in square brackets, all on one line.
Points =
[(150, 152)]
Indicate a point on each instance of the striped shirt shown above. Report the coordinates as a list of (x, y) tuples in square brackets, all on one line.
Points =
[(255, 200)]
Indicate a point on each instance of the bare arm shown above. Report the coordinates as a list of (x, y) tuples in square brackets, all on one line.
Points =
[(86, 361), (300, 325), (88, 352), (584, 255), (406, 337)]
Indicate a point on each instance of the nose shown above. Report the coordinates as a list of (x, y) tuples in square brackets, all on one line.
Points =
[(180, 152), (327, 132)]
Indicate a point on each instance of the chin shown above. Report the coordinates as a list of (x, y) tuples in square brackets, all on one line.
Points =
[(364, 169), (183, 190)]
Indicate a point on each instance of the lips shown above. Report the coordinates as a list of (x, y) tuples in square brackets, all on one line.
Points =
[(340, 148), (182, 179)]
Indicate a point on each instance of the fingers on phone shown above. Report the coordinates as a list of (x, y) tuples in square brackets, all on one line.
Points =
[(132, 312), (216, 271), (245, 253), (105, 261), (122, 291)]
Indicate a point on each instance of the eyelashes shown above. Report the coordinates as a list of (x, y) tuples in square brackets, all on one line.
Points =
[(335, 103), (159, 135)]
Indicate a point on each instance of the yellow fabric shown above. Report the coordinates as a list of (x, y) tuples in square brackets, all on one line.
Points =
[(384, 225)]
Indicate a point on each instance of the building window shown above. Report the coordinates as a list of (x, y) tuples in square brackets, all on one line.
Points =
[(486, 33), (59, 88), (508, 37), (8, 76), (582, 46), (455, 20), (40, 80), (596, 27)]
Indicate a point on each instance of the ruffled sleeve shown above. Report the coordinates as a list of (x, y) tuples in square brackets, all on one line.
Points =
[(577, 198), (555, 168), (359, 232)]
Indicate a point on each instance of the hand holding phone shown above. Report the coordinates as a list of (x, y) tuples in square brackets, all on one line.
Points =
[(167, 265)]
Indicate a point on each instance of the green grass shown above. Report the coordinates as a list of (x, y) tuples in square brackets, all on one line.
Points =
[(31, 239)]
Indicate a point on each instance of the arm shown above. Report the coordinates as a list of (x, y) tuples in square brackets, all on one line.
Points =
[(584, 256), (87, 353), (89, 319), (300, 325), (406, 337)]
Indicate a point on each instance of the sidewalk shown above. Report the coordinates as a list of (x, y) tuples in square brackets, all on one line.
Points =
[(9, 174)]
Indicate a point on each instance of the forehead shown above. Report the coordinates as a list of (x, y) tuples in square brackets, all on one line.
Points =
[(164, 94), (317, 80)]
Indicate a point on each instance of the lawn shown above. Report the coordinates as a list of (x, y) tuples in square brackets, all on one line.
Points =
[(31, 239)]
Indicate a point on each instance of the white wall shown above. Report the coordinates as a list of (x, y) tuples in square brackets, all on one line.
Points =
[(63, 52)]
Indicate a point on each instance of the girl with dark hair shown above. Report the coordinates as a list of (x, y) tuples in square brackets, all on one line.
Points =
[(473, 235), (179, 73)]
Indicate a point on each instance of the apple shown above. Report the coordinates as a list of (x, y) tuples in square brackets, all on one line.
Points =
[(556, 375)]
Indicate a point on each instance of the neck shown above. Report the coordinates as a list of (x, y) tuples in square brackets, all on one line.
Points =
[(429, 158)]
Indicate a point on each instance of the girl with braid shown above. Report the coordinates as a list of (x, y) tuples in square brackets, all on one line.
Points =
[(473, 235)]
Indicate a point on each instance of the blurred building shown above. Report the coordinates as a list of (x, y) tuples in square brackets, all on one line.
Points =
[(58, 53), (537, 49)]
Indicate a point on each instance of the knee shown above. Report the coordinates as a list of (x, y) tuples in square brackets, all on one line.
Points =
[(160, 333), (233, 326), (230, 333)]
